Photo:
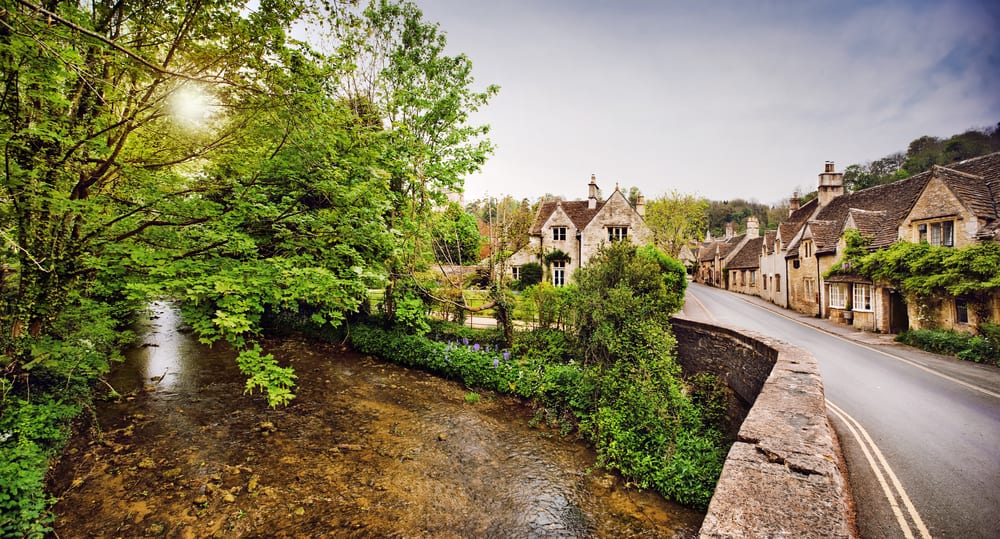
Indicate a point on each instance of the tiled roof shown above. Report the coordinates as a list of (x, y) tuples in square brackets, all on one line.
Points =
[(791, 226), (770, 238), (879, 210), (978, 185), (867, 222), (708, 250), (577, 210), (825, 234), (894, 199), (748, 256)]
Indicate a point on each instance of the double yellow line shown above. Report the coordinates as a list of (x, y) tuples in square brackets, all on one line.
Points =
[(894, 493)]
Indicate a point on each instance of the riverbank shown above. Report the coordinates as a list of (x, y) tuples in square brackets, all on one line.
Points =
[(367, 449)]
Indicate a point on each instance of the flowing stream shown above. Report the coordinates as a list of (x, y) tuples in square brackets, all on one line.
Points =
[(367, 449)]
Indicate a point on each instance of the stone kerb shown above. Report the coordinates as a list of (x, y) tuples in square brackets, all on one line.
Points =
[(785, 474)]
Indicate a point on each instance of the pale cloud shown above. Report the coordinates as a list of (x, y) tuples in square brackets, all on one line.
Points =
[(728, 100)]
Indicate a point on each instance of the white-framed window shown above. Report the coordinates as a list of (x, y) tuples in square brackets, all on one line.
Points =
[(808, 286), (838, 295), (616, 233), (515, 272), (753, 277), (862, 298), (559, 233), (941, 233), (558, 272), (777, 284)]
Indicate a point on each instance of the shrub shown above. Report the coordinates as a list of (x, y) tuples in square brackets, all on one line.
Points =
[(983, 348), (531, 274)]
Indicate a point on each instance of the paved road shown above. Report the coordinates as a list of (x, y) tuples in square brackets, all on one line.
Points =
[(921, 432)]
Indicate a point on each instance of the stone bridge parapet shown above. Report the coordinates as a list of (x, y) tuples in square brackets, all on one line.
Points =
[(785, 475)]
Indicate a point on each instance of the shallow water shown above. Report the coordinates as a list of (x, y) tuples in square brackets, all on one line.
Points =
[(367, 449)]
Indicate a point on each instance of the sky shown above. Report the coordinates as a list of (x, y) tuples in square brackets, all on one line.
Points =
[(724, 100)]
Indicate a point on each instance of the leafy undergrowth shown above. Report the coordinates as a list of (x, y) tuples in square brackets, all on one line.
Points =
[(982, 348)]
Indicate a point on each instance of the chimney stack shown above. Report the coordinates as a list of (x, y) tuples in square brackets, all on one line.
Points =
[(640, 206), (592, 195), (729, 230), (793, 203), (753, 227), (831, 184)]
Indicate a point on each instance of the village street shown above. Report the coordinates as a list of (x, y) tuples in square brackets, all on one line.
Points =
[(920, 432)]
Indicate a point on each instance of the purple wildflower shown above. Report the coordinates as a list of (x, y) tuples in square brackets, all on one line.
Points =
[(506, 355), (475, 347), (496, 363), (465, 341)]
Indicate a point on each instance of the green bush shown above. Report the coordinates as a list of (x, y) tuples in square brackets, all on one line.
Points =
[(531, 274), (983, 348), (636, 414)]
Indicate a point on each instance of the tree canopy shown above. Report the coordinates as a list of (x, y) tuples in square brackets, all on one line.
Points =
[(196, 151)]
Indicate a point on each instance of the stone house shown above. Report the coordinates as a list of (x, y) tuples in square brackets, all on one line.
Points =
[(958, 206), (715, 255), (743, 267), (953, 206), (772, 270), (566, 234)]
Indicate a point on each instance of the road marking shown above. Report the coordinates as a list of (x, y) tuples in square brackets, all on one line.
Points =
[(702, 305), (984, 391), (865, 441)]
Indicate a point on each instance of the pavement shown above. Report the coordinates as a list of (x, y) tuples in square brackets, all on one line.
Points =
[(825, 324)]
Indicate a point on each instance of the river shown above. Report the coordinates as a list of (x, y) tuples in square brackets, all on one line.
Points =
[(367, 449)]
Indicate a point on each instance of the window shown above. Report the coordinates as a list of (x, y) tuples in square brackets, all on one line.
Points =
[(764, 281), (616, 233), (941, 233), (961, 311), (862, 297), (559, 233), (753, 278), (838, 295), (777, 284), (807, 249), (809, 288), (515, 272), (559, 272)]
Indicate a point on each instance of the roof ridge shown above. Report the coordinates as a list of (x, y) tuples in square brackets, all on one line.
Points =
[(936, 168)]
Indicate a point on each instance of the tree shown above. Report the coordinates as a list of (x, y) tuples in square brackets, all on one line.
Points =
[(879, 172), (394, 64), (95, 154), (676, 219), (456, 236)]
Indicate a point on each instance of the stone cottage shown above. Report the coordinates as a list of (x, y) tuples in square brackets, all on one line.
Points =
[(566, 234), (744, 266), (952, 206)]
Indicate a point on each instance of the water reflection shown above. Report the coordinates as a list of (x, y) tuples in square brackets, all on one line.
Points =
[(367, 449)]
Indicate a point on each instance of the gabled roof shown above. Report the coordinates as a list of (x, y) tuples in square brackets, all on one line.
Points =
[(770, 238), (578, 212), (868, 222), (976, 182), (894, 199), (748, 256), (878, 211), (791, 226), (723, 247)]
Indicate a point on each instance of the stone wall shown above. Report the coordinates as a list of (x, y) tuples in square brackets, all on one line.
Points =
[(785, 475)]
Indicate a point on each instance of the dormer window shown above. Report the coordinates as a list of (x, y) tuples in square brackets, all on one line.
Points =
[(559, 233), (941, 233), (616, 233), (807, 249)]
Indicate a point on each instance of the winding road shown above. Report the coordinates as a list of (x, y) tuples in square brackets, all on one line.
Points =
[(920, 432)]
